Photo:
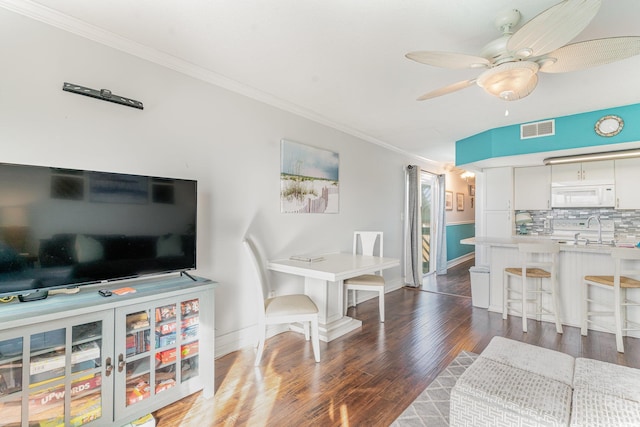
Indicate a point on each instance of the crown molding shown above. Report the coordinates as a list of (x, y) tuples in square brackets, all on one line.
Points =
[(75, 26)]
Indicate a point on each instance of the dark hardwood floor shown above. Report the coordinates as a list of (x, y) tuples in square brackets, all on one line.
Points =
[(455, 282), (368, 377)]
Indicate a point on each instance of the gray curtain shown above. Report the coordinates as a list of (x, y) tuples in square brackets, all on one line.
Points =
[(441, 228), (413, 250)]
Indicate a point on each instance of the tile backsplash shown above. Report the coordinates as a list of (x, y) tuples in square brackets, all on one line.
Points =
[(626, 223)]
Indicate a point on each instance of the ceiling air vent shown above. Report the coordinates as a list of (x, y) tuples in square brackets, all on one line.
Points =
[(538, 129)]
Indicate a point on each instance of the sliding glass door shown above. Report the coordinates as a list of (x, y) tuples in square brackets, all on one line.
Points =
[(428, 184)]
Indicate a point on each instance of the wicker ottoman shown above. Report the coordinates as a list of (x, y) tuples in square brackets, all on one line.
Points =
[(605, 394), (514, 384)]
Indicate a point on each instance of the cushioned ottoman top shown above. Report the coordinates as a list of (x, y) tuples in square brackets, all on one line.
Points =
[(594, 409), (541, 361), (608, 378), (498, 392)]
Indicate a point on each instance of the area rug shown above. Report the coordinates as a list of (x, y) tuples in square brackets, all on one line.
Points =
[(431, 408)]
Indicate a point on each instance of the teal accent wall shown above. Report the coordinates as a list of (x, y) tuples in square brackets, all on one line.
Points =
[(455, 233), (573, 131)]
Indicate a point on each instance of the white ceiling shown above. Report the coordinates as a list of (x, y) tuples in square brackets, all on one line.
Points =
[(342, 62)]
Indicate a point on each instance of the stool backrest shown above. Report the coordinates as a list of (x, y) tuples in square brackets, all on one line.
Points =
[(622, 268), (541, 255)]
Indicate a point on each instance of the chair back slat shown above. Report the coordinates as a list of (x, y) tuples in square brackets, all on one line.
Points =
[(262, 284), (368, 242)]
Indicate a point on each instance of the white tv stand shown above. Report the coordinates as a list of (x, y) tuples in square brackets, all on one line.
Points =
[(85, 359)]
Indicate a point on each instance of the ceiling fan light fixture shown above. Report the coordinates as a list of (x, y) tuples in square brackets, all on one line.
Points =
[(510, 81), (524, 53)]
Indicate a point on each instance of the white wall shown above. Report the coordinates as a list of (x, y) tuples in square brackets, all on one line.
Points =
[(191, 129)]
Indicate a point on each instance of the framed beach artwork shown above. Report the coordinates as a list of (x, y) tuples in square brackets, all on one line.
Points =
[(448, 200), (309, 179)]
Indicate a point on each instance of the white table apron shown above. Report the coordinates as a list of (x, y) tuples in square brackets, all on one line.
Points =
[(323, 283)]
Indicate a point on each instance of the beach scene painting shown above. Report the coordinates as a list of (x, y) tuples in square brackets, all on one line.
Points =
[(309, 181)]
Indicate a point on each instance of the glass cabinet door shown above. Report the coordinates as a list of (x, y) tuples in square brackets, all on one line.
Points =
[(189, 333), (86, 375), (47, 359), (138, 364), (66, 385), (157, 348), (165, 343), (11, 354)]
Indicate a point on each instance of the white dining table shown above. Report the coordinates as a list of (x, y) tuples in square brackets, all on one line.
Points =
[(323, 283)]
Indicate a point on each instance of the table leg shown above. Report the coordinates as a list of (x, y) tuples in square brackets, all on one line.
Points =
[(329, 297)]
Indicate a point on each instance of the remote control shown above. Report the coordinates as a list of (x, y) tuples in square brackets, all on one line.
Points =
[(105, 292)]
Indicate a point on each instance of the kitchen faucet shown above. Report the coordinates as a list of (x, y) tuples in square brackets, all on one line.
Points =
[(597, 218)]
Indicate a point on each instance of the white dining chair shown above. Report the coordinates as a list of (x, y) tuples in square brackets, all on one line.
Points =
[(284, 309), (538, 261), (626, 274), (366, 240)]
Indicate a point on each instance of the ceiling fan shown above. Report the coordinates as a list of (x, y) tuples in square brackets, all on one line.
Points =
[(512, 62)]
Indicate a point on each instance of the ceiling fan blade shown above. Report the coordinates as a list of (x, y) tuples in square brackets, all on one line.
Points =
[(553, 28), (591, 53), (448, 59), (447, 89)]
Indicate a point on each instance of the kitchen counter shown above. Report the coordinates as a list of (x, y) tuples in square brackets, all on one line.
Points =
[(565, 245), (575, 262)]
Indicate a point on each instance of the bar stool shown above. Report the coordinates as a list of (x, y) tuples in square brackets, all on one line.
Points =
[(538, 261), (618, 283)]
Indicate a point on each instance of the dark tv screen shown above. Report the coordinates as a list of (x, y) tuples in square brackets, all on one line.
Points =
[(63, 227)]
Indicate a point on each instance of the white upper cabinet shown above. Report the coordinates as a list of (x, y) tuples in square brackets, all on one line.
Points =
[(627, 172), (497, 216), (577, 173), (532, 188), (499, 189)]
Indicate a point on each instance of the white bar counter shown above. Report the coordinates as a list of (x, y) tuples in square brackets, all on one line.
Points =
[(575, 261)]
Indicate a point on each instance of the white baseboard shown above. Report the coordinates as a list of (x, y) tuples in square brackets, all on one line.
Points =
[(460, 260), (243, 338)]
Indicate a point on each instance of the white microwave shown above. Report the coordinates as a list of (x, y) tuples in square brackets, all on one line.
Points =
[(583, 196)]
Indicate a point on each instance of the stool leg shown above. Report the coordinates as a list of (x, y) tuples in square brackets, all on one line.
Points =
[(585, 310), (623, 309), (555, 302), (618, 318), (539, 301), (524, 301), (505, 295)]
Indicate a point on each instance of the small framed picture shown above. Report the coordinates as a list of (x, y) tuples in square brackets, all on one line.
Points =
[(472, 202), (459, 201), (448, 200), (472, 190)]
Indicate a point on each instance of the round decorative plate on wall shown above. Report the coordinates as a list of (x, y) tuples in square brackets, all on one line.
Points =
[(609, 125)]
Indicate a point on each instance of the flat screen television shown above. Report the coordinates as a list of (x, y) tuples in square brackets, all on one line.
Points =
[(62, 227)]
